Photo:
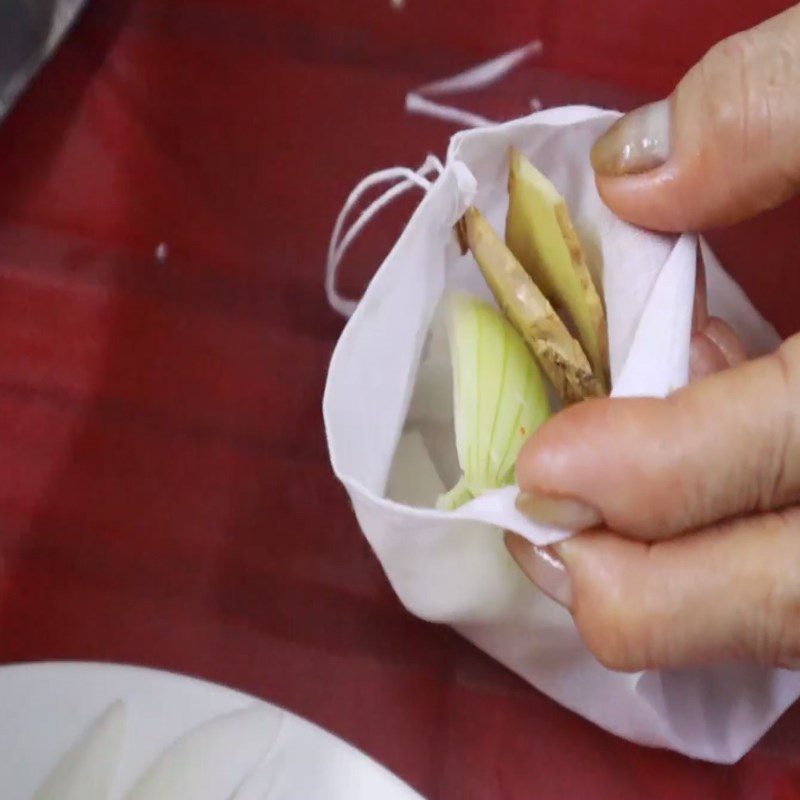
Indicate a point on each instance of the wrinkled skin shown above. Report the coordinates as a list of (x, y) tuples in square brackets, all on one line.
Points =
[(696, 558)]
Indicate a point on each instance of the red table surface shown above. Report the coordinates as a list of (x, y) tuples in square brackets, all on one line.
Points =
[(165, 492)]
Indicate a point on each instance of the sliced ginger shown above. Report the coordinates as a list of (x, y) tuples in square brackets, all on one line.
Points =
[(558, 353), (540, 234)]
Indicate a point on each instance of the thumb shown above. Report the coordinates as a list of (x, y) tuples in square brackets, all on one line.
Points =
[(726, 445), (723, 147)]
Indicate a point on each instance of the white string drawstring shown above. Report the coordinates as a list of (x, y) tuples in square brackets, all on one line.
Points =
[(479, 77), (417, 102), (340, 243)]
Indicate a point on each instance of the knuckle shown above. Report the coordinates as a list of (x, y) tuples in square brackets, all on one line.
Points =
[(775, 631), (608, 634), (763, 640), (789, 351), (780, 97), (781, 473), (617, 659), (730, 91), (793, 176), (624, 623), (785, 643), (739, 50), (787, 651), (773, 637), (732, 57), (748, 82)]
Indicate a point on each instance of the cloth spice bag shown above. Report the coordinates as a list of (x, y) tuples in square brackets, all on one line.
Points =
[(389, 420)]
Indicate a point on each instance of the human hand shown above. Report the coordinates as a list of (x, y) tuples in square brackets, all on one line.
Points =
[(694, 552)]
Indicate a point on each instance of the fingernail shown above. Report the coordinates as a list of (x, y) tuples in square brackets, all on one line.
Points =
[(543, 567), (636, 143), (557, 512), (705, 358), (726, 340)]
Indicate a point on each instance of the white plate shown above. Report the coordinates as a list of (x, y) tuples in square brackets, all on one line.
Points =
[(47, 709)]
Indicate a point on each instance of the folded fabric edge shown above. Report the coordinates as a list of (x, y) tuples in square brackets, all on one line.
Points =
[(726, 754), (457, 173), (552, 117), (495, 508), (758, 331), (677, 372)]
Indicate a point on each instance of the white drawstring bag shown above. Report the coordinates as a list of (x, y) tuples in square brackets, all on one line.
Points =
[(389, 419)]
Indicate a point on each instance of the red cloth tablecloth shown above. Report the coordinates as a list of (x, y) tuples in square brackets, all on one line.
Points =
[(165, 493)]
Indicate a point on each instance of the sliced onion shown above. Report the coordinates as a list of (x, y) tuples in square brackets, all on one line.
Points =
[(499, 397)]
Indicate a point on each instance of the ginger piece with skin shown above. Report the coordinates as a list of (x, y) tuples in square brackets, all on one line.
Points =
[(540, 234), (560, 355)]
